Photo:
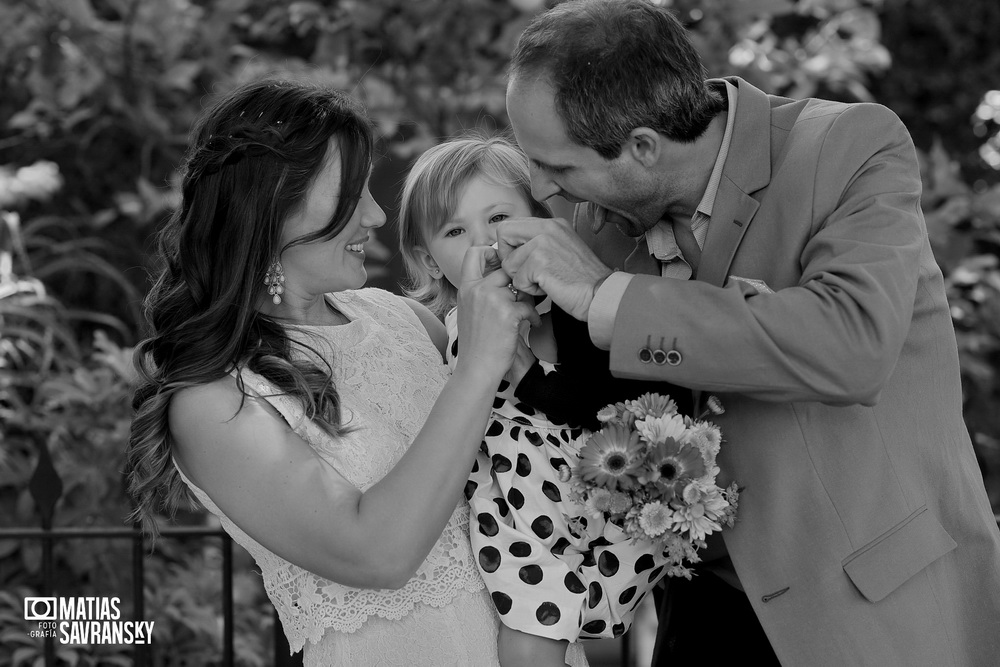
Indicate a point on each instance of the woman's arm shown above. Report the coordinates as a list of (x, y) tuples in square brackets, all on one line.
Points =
[(435, 327), (276, 489)]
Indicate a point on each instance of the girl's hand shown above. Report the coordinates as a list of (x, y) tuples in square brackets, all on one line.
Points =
[(489, 316)]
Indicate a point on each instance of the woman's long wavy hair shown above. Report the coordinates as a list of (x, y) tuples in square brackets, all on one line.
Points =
[(251, 160)]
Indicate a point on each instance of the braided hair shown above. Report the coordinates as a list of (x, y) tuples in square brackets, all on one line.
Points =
[(251, 160)]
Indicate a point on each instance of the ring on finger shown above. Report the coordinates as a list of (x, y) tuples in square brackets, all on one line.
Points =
[(513, 290)]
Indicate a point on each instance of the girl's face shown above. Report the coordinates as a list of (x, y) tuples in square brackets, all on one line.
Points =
[(480, 208), (338, 263)]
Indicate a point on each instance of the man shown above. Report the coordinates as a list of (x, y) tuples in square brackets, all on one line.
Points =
[(816, 313)]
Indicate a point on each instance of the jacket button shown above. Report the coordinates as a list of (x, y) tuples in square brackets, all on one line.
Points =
[(674, 358), (645, 355), (659, 357)]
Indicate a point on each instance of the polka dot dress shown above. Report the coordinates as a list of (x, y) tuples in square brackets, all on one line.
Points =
[(546, 576)]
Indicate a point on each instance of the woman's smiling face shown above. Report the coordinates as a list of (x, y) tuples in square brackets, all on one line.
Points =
[(334, 264), (482, 205)]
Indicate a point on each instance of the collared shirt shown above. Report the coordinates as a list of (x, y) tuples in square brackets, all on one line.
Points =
[(662, 244)]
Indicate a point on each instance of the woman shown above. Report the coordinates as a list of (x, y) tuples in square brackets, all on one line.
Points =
[(317, 419)]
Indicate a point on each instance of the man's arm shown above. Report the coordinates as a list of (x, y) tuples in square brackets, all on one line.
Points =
[(836, 336)]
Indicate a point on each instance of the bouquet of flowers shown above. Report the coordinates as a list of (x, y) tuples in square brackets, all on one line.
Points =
[(651, 471)]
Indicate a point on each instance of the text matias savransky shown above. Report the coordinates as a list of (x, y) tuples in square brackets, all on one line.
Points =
[(85, 620)]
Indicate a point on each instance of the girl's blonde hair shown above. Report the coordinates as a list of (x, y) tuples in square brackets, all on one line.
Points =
[(431, 195)]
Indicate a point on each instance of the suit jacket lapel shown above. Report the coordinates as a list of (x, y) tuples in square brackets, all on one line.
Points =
[(747, 169)]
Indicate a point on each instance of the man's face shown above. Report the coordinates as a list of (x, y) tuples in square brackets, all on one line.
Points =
[(560, 166)]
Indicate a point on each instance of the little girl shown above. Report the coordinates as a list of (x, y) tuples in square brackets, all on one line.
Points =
[(555, 576)]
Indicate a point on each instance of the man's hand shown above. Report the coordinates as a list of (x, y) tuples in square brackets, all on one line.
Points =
[(545, 256)]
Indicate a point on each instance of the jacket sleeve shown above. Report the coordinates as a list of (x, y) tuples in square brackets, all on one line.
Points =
[(836, 335), (582, 383)]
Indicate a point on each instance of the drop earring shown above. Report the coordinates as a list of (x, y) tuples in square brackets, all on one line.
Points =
[(275, 279)]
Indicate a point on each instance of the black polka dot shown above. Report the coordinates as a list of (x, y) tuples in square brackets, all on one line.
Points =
[(594, 627), (608, 564), (504, 386), (475, 466), (654, 574), (525, 408), (551, 491), (515, 498), (599, 542), (573, 583), (520, 549), (530, 574), (501, 463), (470, 488), (618, 630), (523, 465), (489, 559), (588, 559), (495, 429), (514, 432), (638, 600), (547, 614), (560, 546), (533, 438), (454, 348), (627, 595), (498, 402), (483, 448), (576, 433), (596, 593), (557, 462), (644, 563), (502, 602), (542, 526), (564, 435), (553, 439), (502, 506), (488, 525)]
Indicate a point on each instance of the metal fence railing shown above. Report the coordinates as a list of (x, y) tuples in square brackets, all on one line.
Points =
[(46, 488)]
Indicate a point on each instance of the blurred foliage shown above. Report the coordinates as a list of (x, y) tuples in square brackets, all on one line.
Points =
[(98, 99)]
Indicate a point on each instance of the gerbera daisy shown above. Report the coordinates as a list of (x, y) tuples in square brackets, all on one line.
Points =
[(706, 437), (611, 458), (658, 429), (652, 405), (671, 465), (654, 518)]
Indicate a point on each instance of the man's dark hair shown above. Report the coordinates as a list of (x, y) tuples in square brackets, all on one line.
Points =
[(615, 65)]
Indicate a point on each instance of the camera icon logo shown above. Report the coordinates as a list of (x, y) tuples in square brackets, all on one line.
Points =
[(40, 609)]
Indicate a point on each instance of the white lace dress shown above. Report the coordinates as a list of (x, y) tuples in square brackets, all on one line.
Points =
[(389, 375)]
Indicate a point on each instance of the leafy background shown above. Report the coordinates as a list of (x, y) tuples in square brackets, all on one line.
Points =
[(98, 96)]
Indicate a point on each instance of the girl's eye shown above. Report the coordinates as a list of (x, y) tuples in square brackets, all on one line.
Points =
[(498, 217), (453, 232)]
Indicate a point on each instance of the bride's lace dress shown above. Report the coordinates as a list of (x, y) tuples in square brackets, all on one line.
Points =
[(388, 374)]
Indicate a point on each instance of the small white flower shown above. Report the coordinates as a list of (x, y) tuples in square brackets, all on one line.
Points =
[(655, 519), (607, 413), (620, 502), (598, 502)]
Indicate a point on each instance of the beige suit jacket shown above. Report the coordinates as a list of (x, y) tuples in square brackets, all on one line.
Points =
[(865, 536)]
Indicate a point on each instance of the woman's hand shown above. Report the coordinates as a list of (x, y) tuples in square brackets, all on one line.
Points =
[(489, 316)]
